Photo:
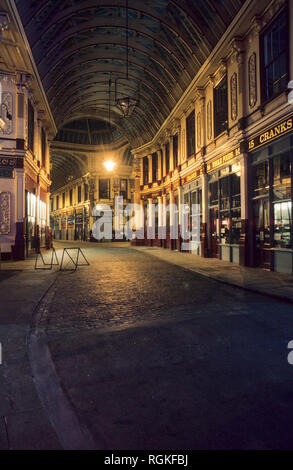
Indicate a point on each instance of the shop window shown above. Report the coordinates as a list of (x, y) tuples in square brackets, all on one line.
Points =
[(282, 176), (79, 194), (261, 178), (196, 219), (282, 224), (190, 134), (224, 193), (104, 189), (30, 126), (155, 166), (167, 157), (221, 107), (123, 188), (275, 45), (213, 194), (175, 150), (235, 190), (145, 164), (71, 197)]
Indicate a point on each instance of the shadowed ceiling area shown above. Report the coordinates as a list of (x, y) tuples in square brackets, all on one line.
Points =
[(81, 47)]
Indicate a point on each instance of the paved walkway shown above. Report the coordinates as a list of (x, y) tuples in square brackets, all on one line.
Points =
[(139, 351), (24, 423), (277, 285)]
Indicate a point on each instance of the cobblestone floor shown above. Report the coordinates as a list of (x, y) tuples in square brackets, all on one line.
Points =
[(153, 356)]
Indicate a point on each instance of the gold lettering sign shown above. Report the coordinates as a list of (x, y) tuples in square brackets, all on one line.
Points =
[(271, 134), (214, 164)]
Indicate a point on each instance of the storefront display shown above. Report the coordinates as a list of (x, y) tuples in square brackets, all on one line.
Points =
[(272, 205), (225, 213)]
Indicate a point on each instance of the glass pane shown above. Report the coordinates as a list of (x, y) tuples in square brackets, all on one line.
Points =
[(225, 227), (261, 177), (282, 224), (213, 193), (235, 226)]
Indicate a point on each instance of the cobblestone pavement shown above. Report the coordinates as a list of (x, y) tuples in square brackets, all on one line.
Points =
[(153, 356)]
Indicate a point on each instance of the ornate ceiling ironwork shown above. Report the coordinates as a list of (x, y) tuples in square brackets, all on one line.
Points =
[(78, 45)]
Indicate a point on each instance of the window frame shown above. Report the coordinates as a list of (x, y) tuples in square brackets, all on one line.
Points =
[(217, 130), (190, 148), (283, 11)]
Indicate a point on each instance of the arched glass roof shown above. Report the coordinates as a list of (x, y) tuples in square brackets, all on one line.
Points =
[(80, 45)]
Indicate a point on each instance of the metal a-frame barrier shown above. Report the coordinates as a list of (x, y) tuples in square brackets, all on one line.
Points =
[(39, 254), (75, 263)]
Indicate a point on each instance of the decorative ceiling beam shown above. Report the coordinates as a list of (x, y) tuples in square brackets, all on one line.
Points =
[(45, 67), (96, 87), (49, 81), (43, 46), (75, 10), (74, 85)]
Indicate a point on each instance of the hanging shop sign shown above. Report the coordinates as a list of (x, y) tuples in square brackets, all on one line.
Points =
[(219, 161), (271, 133)]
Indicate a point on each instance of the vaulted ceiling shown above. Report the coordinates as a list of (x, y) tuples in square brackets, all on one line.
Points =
[(80, 49)]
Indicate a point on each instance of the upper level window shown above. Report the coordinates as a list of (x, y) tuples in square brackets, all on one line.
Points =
[(221, 107), (275, 46), (167, 155), (43, 145), (145, 163), (57, 202), (155, 166), (175, 150), (104, 189), (79, 194), (63, 199), (190, 134), (70, 197), (123, 188), (30, 126)]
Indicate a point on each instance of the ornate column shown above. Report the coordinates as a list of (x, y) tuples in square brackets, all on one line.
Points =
[(159, 153), (18, 250), (200, 120), (150, 160), (205, 216), (238, 84), (244, 237)]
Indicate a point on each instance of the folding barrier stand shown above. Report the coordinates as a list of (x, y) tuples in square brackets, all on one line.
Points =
[(39, 254), (75, 263)]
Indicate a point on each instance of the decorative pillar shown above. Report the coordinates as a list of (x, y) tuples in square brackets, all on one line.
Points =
[(205, 215), (171, 155), (18, 250), (160, 173), (150, 165), (244, 241)]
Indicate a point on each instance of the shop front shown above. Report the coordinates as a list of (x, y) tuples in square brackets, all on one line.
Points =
[(271, 174), (224, 207), (192, 199)]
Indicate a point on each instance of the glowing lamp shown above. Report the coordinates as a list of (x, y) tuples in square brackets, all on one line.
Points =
[(109, 165)]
